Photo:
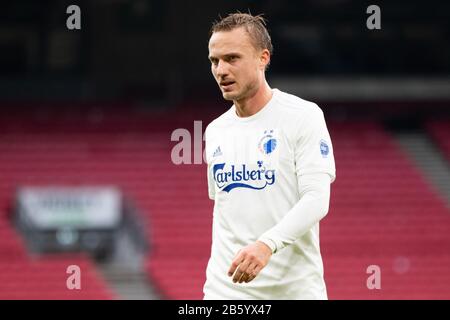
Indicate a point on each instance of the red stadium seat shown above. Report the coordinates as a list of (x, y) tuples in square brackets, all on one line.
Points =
[(382, 211)]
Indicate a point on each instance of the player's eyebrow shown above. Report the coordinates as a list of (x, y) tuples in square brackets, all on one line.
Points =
[(227, 55), (232, 54)]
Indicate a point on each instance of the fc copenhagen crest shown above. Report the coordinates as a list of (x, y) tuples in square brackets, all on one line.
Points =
[(267, 143)]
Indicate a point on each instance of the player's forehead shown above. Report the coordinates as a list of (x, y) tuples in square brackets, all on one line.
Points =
[(228, 42)]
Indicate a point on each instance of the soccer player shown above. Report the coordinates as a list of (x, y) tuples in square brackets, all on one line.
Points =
[(270, 166)]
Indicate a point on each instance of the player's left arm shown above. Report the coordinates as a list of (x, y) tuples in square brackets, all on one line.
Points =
[(309, 210), (315, 170)]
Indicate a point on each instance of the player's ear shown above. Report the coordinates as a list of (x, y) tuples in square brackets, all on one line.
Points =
[(264, 58)]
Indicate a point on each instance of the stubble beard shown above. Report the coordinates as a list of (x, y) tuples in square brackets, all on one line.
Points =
[(248, 91)]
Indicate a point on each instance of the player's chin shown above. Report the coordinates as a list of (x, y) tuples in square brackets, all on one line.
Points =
[(229, 95)]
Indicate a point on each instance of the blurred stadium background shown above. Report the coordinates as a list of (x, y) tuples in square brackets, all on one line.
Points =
[(86, 118)]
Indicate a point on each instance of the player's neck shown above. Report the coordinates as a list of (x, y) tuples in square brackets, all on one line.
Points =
[(253, 104)]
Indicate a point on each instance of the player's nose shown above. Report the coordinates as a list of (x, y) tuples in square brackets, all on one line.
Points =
[(221, 69)]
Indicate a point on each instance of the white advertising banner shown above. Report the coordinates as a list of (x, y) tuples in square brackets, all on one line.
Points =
[(71, 207)]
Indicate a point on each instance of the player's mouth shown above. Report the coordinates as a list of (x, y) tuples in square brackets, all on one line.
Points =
[(226, 85)]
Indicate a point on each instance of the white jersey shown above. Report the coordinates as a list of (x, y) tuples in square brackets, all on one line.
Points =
[(254, 166)]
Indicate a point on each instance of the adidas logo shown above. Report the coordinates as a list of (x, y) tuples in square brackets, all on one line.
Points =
[(218, 152)]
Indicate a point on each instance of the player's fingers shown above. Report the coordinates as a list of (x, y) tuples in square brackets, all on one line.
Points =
[(249, 274), (238, 274), (255, 272), (241, 271), (243, 278), (236, 262)]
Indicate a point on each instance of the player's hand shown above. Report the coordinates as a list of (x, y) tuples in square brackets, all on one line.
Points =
[(249, 261)]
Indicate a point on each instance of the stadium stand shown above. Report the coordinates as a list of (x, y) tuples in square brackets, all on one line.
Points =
[(382, 211), (27, 276), (440, 132), (44, 278)]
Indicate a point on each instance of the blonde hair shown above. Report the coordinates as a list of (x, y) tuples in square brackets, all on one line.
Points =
[(254, 25)]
